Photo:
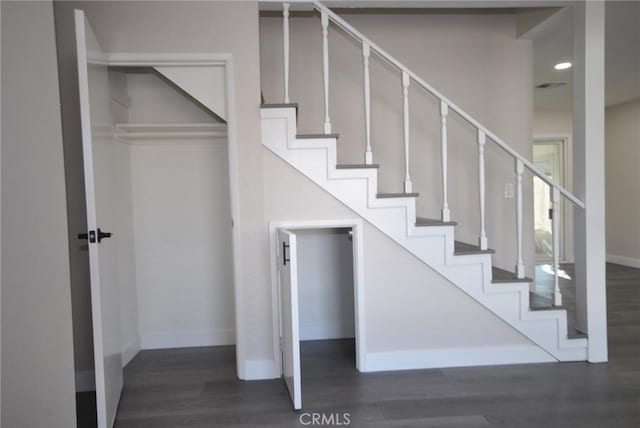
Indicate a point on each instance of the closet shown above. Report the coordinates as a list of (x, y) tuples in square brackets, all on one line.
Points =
[(156, 172), (174, 252)]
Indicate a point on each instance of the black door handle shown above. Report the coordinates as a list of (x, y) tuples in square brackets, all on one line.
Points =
[(91, 236), (285, 259), (102, 235)]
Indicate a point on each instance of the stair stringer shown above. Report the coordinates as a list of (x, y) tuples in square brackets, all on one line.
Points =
[(357, 188)]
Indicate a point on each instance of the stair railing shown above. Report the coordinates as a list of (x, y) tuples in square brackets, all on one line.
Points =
[(483, 134)]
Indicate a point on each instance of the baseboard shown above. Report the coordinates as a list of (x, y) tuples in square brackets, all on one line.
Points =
[(85, 380), (454, 357), (623, 260), (130, 350), (260, 370), (187, 339), (327, 331)]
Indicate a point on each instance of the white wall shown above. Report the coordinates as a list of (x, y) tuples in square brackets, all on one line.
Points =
[(405, 300), (230, 27), (325, 284), (182, 225), (475, 60), (622, 145), (552, 123), (37, 347)]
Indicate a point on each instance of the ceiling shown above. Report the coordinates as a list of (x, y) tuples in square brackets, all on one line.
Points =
[(622, 57)]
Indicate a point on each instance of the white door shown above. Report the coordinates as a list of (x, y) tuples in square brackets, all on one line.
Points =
[(289, 328), (98, 153)]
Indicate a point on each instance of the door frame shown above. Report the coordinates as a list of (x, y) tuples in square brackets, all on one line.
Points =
[(567, 252), (356, 225), (147, 59)]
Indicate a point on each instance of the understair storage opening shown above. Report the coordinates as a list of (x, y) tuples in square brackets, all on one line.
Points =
[(326, 287), (326, 305)]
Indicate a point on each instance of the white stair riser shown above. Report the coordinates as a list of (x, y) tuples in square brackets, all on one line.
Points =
[(357, 188)]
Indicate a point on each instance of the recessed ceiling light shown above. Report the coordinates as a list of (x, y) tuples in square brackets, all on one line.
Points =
[(562, 65)]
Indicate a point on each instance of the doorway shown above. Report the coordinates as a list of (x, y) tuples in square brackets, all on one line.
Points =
[(319, 300), (160, 185), (549, 156)]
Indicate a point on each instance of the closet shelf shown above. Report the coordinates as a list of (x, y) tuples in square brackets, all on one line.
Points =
[(162, 131)]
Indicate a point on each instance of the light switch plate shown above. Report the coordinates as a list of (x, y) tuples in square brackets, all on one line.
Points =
[(508, 190)]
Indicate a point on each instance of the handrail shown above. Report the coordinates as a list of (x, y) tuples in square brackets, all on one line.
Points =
[(493, 137)]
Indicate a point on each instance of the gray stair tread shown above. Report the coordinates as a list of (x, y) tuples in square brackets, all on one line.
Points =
[(397, 195), (356, 166), (280, 105), (423, 221), (462, 248), (313, 136), (501, 275)]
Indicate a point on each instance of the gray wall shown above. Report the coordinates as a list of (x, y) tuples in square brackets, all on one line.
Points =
[(325, 284), (37, 348), (622, 136), (474, 59)]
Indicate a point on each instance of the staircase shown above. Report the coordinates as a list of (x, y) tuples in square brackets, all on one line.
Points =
[(432, 241)]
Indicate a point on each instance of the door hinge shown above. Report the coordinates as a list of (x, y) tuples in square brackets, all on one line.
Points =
[(550, 213)]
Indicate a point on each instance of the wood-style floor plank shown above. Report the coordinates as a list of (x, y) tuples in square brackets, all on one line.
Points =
[(197, 387)]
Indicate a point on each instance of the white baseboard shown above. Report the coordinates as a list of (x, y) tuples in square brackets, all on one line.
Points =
[(260, 370), (130, 350), (454, 357), (326, 331), (85, 380), (623, 260), (186, 339)]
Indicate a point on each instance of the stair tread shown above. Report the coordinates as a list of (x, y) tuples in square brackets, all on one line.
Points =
[(424, 221), (462, 248), (397, 195), (314, 136), (501, 275), (357, 166), (280, 105)]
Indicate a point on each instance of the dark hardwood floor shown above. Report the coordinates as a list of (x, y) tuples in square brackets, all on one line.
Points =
[(197, 387)]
